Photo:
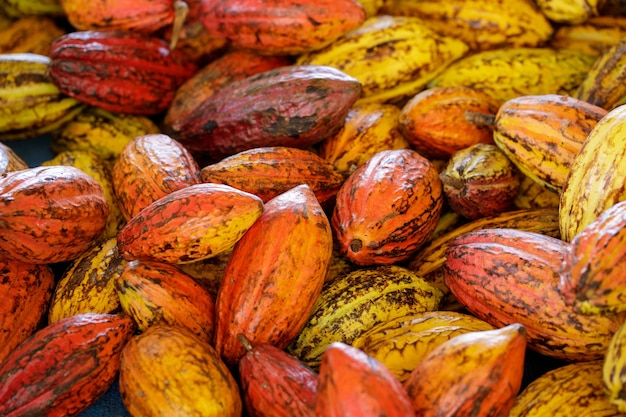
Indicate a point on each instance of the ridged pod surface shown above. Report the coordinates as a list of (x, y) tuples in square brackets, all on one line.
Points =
[(541, 134), (229, 67), (481, 24), (270, 171), (603, 86), (30, 34), (393, 57), (190, 224), (30, 103), (275, 383), (253, 112), (573, 389), (353, 303), (87, 285), (591, 276), (533, 195), (150, 167), (368, 129), (506, 73), (102, 132), (480, 181), (155, 292), (473, 374), (65, 367), (25, 290), (402, 343), (387, 208), (274, 275), (146, 16), (118, 71), (351, 383), (595, 183), (569, 12), (506, 276), (275, 27), (593, 37), (167, 370), (50, 214), (434, 120), (99, 169)]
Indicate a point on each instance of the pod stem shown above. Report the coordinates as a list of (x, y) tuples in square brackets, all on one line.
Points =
[(181, 10), (479, 119), (244, 341)]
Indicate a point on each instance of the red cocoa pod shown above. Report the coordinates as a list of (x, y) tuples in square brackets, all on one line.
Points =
[(232, 66), (50, 214), (387, 208), (274, 275), (65, 367), (25, 291), (191, 224), (352, 383), (275, 383), (270, 171), (150, 167), (253, 112), (592, 275), (506, 276), (278, 27), (118, 71)]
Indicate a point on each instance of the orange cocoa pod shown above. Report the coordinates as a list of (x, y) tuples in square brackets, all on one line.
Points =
[(25, 291), (146, 16), (270, 171), (434, 120), (473, 374), (506, 276), (274, 275), (9, 160), (65, 367), (50, 214), (387, 208), (592, 275), (150, 167), (368, 129), (232, 66), (275, 383), (276, 27), (190, 224), (352, 383), (169, 371), (156, 292)]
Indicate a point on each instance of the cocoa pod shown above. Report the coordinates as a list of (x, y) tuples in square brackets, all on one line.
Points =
[(65, 367), (253, 112), (50, 214), (506, 276), (387, 208), (274, 275), (25, 291), (118, 71)]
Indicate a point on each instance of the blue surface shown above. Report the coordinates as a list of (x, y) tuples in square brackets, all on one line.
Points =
[(109, 405)]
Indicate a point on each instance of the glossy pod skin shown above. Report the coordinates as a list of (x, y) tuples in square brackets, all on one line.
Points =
[(506, 276), (387, 208), (191, 224), (118, 71), (65, 367), (274, 275), (50, 214), (252, 112), (276, 27), (25, 291)]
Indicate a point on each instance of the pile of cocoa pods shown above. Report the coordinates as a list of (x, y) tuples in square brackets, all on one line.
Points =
[(313, 207)]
